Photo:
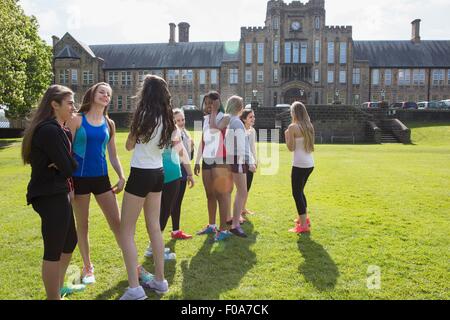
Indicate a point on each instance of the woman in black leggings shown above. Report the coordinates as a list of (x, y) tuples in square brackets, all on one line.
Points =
[(47, 148), (300, 140)]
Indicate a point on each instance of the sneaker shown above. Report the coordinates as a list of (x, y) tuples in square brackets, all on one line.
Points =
[(241, 221), (170, 256), (144, 275), (134, 294), (87, 276), (245, 212), (222, 235), (238, 232), (300, 229), (68, 290), (160, 287), (297, 221), (180, 235), (149, 252), (209, 229)]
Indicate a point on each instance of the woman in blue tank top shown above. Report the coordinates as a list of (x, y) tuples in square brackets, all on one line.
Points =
[(93, 133)]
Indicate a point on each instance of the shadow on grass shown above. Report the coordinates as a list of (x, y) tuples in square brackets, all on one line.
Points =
[(7, 143), (416, 125), (319, 268), (218, 267)]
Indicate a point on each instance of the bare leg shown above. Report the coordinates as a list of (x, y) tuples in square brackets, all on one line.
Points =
[(81, 210), (131, 208), (208, 183), (223, 185), (152, 207), (108, 203), (63, 265), (240, 181), (51, 279)]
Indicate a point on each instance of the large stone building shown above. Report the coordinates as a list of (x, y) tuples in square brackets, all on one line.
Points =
[(295, 56)]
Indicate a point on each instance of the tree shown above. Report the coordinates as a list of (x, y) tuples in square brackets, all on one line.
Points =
[(25, 60)]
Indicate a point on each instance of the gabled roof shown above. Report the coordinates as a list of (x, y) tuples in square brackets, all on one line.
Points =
[(403, 54), (67, 52), (82, 45), (165, 55)]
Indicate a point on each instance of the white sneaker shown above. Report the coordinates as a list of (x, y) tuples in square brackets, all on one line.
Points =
[(134, 294), (88, 275), (160, 287), (149, 252)]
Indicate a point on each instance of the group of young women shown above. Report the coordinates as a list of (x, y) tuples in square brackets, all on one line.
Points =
[(67, 154)]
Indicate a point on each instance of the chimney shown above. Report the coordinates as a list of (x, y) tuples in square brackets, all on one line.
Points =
[(415, 31), (55, 40), (183, 32), (173, 26)]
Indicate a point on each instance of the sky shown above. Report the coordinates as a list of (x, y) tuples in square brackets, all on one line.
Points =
[(147, 21)]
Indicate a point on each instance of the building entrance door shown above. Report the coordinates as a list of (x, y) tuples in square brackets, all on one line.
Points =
[(295, 94)]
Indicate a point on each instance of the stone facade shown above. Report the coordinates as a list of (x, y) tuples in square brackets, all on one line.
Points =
[(294, 56)]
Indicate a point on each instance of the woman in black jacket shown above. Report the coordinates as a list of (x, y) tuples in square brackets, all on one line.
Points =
[(47, 148)]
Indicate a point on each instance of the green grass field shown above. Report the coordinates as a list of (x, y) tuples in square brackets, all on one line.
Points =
[(386, 206)]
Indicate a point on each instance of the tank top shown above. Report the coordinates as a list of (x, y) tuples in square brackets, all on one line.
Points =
[(171, 165), (89, 149), (302, 159), (149, 155), (213, 141)]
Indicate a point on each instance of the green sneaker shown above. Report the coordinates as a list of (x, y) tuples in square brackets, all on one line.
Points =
[(68, 290)]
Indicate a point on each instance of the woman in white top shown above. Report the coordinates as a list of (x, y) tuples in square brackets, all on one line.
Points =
[(300, 140), (152, 130), (248, 118)]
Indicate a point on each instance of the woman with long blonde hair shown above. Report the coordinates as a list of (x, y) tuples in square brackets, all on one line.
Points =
[(300, 140)]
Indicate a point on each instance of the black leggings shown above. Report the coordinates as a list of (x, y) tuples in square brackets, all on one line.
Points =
[(168, 199), (249, 180), (176, 212), (299, 177), (58, 225)]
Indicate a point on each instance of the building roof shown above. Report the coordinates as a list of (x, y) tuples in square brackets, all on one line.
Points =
[(165, 55), (67, 52), (403, 54)]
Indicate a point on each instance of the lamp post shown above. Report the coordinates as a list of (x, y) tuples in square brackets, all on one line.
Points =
[(336, 95), (383, 94), (302, 94), (255, 99)]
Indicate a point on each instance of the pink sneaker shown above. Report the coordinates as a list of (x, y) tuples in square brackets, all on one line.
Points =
[(300, 229), (297, 221), (180, 235)]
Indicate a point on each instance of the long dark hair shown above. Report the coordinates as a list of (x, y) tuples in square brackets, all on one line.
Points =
[(88, 101), (213, 95), (43, 113), (153, 109)]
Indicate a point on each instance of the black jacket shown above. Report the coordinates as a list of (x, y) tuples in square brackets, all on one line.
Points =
[(50, 144)]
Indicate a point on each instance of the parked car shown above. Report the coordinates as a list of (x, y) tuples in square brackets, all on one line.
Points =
[(444, 104), (248, 106), (282, 105), (396, 105), (4, 122), (371, 105), (422, 105), (189, 107), (409, 105)]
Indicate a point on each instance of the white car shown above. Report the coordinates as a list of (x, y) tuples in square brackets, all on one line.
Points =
[(283, 105), (189, 107), (4, 123), (423, 105)]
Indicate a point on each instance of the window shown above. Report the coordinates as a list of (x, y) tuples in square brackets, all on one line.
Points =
[(330, 52), (213, 77), (343, 53), (64, 77), (190, 100), (287, 52), (276, 51), (248, 76), (317, 23), (316, 75), (419, 76), (111, 104), (304, 52), (330, 76), (202, 77), (356, 76), (448, 77), (88, 77), (187, 77), (260, 53), (119, 103), (275, 75), (317, 51), (356, 100), (260, 76), (330, 97), (128, 103), (126, 78), (404, 77), (113, 78), (248, 53), (295, 52), (438, 77), (387, 77), (342, 77), (375, 77), (142, 75), (74, 76), (234, 77), (174, 76), (276, 23)]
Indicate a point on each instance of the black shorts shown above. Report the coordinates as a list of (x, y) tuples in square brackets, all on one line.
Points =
[(143, 181), (97, 185), (211, 163), (236, 167)]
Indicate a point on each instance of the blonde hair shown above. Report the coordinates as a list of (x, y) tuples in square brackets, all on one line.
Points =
[(178, 111), (234, 105), (301, 117)]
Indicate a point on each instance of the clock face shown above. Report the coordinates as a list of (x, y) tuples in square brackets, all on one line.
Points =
[(295, 25)]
